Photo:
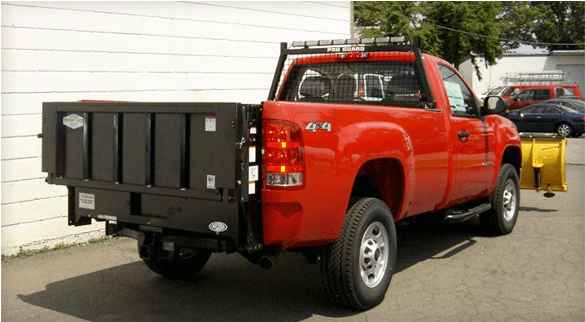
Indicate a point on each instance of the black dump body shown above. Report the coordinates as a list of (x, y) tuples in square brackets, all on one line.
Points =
[(182, 171)]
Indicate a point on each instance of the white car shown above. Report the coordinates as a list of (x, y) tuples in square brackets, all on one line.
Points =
[(496, 91)]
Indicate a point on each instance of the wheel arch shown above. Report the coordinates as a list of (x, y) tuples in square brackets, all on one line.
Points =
[(513, 156), (383, 179)]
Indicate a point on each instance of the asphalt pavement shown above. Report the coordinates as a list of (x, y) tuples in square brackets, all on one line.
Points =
[(446, 272)]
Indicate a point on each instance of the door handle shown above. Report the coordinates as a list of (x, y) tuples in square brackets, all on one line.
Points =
[(463, 134)]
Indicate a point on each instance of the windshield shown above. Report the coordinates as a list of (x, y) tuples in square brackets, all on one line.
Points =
[(576, 105), (579, 106), (570, 110), (496, 91)]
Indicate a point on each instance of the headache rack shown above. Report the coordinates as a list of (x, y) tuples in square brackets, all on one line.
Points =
[(383, 71)]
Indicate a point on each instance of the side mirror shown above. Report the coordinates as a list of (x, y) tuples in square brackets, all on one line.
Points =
[(494, 105)]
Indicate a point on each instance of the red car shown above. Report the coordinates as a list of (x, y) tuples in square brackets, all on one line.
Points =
[(532, 94)]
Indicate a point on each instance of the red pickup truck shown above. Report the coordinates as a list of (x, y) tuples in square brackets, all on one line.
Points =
[(325, 166)]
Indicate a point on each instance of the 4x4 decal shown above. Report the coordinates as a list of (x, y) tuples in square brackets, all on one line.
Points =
[(314, 126)]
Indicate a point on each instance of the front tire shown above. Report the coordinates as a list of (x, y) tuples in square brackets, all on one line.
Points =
[(505, 202), (357, 268)]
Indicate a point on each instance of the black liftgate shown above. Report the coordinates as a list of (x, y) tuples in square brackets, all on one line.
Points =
[(178, 167)]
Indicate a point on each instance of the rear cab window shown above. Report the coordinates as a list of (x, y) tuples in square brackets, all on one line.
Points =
[(354, 82), (380, 78)]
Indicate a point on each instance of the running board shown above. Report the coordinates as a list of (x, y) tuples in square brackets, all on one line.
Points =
[(462, 215)]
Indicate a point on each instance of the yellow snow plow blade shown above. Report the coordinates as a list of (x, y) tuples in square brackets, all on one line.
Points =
[(543, 164)]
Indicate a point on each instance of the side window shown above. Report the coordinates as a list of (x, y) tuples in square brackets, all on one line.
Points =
[(461, 99), (314, 87), (550, 110), (374, 87), (513, 91), (542, 94), (538, 109), (565, 91), (527, 95)]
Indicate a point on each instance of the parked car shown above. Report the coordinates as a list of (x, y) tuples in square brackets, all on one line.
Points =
[(574, 103), (532, 94), (549, 118)]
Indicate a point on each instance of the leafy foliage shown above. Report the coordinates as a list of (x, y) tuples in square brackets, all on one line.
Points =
[(560, 23), (457, 31)]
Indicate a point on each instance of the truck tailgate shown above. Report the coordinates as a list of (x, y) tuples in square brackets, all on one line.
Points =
[(160, 165)]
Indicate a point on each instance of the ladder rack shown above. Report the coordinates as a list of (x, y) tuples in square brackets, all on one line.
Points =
[(536, 78)]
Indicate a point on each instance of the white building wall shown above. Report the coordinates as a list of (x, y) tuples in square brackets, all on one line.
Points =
[(516, 63), (133, 51)]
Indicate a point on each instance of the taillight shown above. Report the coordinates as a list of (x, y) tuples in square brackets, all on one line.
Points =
[(283, 153)]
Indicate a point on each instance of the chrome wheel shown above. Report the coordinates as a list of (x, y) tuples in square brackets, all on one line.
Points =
[(505, 201), (509, 200), (374, 254), (357, 268), (564, 130)]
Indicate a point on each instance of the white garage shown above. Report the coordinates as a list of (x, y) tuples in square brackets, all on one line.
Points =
[(566, 66), (132, 51)]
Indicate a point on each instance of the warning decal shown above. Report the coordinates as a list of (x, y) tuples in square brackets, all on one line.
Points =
[(87, 200)]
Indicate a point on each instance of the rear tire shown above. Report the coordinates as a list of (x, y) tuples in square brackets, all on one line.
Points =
[(505, 202), (182, 266), (357, 268)]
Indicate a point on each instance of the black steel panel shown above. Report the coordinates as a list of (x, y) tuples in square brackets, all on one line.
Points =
[(167, 155), (134, 151), (73, 153), (225, 148), (188, 214), (201, 151), (102, 156), (117, 147), (49, 136), (105, 203)]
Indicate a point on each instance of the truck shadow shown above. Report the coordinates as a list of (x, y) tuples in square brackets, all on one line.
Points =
[(530, 209), (229, 288), (429, 239)]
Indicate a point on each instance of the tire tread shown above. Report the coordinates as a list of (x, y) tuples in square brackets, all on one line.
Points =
[(337, 260)]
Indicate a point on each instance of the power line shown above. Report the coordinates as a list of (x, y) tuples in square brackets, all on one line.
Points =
[(479, 35)]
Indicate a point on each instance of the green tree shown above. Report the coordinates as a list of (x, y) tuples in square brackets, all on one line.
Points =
[(394, 18), (560, 24), (480, 30), (518, 21), (454, 31)]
